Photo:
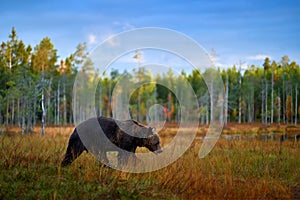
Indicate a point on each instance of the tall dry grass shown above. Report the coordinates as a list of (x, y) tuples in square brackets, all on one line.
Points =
[(30, 168)]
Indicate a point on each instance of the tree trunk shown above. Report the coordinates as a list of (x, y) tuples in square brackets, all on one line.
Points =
[(12, 112), (262, 103), (240, 100), (266, 104), (100, 101), (48, 103), (201, 114), (23, 114), (71, 117), (23, 107), (244, 114), (249, 112), (286, 110), (253, 105), (296, 104), (291, 104), (139, 104), (283, 102), (207, 112), (43, 104), (226, 101), (254, 112), (279, 106), (7, 113), (34, 107), (74, 104), (212, 102), (29, 110), (18, 112), (240, 108), (28, 126), (55, 108), (65, 103), (57, 104), (169, 107), (109, 100), (272, 97), (0, 114)]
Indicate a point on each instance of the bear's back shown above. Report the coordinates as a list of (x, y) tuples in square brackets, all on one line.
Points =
[(108, 125)]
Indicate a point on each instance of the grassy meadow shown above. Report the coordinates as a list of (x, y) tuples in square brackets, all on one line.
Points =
[(235, 169)]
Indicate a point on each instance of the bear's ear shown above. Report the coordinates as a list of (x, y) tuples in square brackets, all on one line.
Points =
[(153, 130)]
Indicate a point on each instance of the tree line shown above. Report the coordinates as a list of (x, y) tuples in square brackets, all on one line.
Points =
[(36, 89)]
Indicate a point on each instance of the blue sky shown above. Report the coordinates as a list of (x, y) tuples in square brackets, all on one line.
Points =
[(244, 31)]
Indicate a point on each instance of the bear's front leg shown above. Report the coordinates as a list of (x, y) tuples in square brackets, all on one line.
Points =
[(125, 156), (103, 158), (75, 148)]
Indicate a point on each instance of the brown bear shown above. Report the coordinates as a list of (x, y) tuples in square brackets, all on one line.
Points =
[(114, 135)]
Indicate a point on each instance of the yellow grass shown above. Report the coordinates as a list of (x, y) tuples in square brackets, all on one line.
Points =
[(238, 169)]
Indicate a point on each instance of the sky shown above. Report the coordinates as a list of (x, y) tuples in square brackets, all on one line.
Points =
[(239, 31)]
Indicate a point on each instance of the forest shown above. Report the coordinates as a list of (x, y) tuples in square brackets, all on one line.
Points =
[(36, 88)]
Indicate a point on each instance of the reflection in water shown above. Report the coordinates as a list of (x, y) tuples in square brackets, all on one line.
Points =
[(273, 136)]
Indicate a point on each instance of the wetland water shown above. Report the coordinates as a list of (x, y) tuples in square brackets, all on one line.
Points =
[(274, 136)]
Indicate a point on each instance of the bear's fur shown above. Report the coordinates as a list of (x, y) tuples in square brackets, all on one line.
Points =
[(118, 140)]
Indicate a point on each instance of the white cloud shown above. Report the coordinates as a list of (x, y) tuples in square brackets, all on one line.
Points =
[(92, 39), (123, 25), (127, 26), (106, 32), (258, 57)]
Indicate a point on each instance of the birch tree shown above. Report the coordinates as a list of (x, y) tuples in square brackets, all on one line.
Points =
[(273, 68), (240, 91), (44, 59)]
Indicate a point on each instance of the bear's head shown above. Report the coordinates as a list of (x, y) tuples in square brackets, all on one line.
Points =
[(152, 142)]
